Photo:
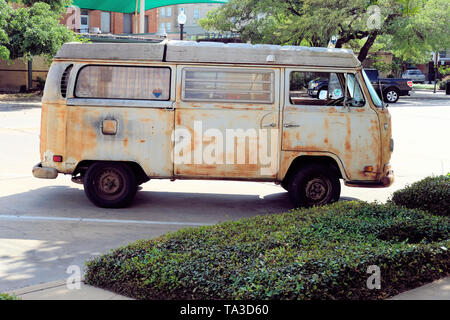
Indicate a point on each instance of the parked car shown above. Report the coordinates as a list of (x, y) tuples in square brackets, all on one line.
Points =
[(415, 75), (317, 85), (392, 88)]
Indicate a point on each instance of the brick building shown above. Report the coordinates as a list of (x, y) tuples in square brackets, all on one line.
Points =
[(96, 21)]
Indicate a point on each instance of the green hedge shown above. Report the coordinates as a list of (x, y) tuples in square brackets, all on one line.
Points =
[(315, 253), (5, 296), (431, 194)]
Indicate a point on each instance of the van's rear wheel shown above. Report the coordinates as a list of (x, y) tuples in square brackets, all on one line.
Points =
[(110, 185), (314, 184)]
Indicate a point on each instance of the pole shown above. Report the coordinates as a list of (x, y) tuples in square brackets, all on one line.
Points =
[(142, 17), (30, 74), (136, 18), (181, 31), (435, 70)]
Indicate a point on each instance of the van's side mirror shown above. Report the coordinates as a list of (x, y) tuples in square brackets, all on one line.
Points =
[(323, 94)]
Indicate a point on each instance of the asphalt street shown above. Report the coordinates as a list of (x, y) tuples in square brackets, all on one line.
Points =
[(48, 225)]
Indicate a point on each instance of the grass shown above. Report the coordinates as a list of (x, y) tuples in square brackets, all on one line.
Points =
[(424, 86), (21, 97), (315, 253)]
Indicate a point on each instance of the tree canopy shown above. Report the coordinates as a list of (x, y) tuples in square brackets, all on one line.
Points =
[(411, 28), (33, 30)]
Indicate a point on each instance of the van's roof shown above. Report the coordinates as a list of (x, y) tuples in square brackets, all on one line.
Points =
[(211, 52)]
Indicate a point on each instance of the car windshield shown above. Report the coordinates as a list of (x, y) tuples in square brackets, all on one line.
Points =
[(373, 93)]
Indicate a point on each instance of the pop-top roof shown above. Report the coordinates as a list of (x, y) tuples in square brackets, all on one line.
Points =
[(211, 52)]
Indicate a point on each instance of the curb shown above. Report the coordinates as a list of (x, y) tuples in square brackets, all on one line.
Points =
[(58, 290)]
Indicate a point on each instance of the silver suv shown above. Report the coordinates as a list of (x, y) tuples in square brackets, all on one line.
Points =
[(415, 75)]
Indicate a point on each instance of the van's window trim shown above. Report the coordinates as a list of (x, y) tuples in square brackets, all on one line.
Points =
[(355, 73), (121, 66), (131, 103), (228, 69)]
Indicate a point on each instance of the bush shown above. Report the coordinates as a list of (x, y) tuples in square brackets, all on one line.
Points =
[(5, 296), (431, 194), (314, 253), (442, 83)]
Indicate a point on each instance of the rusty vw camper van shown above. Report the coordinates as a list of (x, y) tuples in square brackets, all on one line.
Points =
[(116, 115)]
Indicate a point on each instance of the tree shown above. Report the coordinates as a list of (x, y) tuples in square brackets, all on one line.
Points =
[(57, 6), (424, 31), (30, 31), (5, 11), (314, 22)]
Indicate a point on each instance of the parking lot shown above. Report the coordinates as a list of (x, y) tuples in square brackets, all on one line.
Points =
[(48, 225)]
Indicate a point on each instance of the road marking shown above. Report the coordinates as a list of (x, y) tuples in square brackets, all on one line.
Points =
[(119, 221)]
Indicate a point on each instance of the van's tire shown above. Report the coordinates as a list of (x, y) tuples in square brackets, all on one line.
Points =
[(314, 184), (110, 184), (391, 95)]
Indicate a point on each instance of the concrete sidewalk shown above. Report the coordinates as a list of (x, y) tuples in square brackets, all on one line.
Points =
[(57, 290), (426, 94), (436, 290)]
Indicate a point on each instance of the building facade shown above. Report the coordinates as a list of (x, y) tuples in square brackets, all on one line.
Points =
[(168, 19), (105, 22)]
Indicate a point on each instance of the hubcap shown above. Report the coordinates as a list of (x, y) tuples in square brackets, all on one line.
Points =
[(391, 96), (317, 190), (109, 183)]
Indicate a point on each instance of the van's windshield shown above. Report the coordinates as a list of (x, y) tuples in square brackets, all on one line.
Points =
[(373, 93)]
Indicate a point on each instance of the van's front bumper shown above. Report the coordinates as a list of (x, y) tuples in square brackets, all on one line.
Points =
[(43, 172)]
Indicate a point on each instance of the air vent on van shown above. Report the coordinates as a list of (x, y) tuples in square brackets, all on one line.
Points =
[(65, 80)]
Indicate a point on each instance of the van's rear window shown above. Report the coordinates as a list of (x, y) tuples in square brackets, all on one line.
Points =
[(123, 82)]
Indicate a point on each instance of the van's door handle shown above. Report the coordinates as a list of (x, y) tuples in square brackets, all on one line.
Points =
[(291, 125), (270, 125)]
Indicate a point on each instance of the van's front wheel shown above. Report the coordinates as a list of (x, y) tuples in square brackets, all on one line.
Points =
[(314, 184), (110, 185)]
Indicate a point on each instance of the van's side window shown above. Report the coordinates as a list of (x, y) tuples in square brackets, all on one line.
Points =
[(228, 85), (324, 88), (123, 82)]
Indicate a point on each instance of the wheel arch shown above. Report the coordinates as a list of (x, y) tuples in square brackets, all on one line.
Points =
[(303, 160), (83, 165)]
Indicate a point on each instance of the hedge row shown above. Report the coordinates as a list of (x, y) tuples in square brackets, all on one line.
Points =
[(431, 194), (5, 296), (315, 253)]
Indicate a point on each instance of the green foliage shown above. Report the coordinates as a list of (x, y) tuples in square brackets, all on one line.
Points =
[(57, 6), (380, 65), (315, 253), (5, 296), (421, 32), (442, 83), (411, 29), (431, 194), (32, 31), (5, 11), (444, 70)]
